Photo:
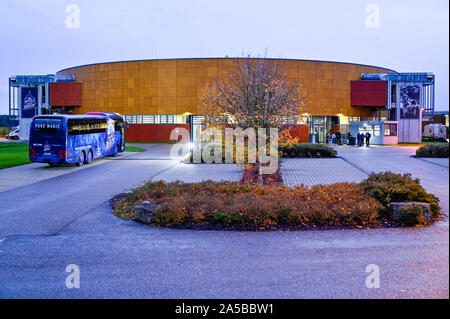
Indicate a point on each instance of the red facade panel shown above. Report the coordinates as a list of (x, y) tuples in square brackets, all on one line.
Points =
[(155, 133), (336, 128), (65, 94), (368, 93), (301, 132)]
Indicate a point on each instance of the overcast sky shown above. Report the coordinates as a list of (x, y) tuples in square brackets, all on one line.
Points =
[(39, 37)]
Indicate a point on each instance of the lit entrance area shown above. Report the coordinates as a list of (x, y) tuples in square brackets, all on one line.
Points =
[(320, 127), (197, 126), (382, 132)]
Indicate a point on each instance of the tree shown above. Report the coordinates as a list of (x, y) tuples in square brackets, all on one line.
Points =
[(257, 94)]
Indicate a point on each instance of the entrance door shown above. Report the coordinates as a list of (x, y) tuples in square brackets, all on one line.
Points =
[(319, 130)]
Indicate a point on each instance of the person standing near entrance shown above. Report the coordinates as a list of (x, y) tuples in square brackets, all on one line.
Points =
[(338, 137), (360, 138), (333, 137), (368, 136)]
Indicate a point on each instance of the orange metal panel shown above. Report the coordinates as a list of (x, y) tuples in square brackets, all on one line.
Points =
[(156, 84)]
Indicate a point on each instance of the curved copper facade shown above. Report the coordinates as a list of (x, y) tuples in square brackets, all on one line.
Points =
[(173, 86)]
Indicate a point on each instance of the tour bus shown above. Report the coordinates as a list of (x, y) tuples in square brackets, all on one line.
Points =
[(75, 139)]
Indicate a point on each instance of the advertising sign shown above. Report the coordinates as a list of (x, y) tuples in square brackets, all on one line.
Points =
[(29, 102), (410, 102)]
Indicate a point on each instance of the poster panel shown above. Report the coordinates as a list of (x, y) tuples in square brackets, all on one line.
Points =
[(410, 102), (29, 102)]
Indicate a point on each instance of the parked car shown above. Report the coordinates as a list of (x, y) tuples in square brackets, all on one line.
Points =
[(14, 135)]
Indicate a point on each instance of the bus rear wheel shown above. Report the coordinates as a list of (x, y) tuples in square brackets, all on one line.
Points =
[(81, 159), (89, 157)]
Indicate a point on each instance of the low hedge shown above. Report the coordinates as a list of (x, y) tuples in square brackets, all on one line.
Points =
[(246, 206), (226, 205), (4, 131), (388, 187), (299, 150), (433, 150), (307, 150)]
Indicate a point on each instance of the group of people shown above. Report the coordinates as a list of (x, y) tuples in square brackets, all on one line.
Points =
[(336, 138), (361, 137)]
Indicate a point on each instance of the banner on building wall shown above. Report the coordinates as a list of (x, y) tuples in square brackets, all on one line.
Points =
[(410, 102), (29, 102)]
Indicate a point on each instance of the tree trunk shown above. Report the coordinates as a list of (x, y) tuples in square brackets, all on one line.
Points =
[(260, 179)]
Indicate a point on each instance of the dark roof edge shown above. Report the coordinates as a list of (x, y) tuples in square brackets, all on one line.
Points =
[(90, 64)]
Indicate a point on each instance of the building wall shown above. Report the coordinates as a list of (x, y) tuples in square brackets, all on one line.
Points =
[(65, 94), (368, 93), (301, 132), (153, 133), (410, 130), (173, 86)]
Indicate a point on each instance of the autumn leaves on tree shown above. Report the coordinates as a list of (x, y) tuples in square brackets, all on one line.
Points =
[(257, 94)]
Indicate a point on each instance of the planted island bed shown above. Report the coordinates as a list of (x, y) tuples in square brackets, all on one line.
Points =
[(243, 206)]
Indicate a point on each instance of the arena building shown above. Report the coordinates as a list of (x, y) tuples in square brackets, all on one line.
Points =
[(156, 96)]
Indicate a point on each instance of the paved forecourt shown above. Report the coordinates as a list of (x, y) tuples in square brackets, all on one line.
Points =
[(22, 175), (313, 171), (194, 173)]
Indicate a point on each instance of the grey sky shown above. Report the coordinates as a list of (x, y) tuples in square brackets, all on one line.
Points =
[(413, 34)]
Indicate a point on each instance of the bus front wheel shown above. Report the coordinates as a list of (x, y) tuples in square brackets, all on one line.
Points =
[(81, 159)]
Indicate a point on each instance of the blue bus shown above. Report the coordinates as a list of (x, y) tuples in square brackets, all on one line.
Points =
[(75, 139)]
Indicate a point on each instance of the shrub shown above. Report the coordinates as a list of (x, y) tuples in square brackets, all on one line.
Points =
[(306, 150), (4, 131), (412, 215), (246, 206), (433, 150), (388, 187), (299, 150)]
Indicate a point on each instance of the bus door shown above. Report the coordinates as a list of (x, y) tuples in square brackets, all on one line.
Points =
[(120, 127), (122, 139)]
